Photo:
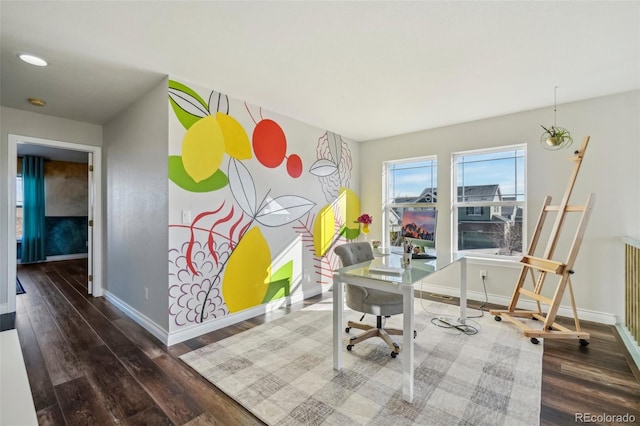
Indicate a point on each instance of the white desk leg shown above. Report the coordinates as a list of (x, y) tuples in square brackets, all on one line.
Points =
[(463, 291), (407, 343), (338, 305)]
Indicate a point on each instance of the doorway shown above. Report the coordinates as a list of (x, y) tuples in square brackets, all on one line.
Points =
[(94, 153)]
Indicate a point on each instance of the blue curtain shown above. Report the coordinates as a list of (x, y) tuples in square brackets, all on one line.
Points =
[(33, 231)]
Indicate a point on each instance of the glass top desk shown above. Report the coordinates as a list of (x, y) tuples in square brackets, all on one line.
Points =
[(361, 275)]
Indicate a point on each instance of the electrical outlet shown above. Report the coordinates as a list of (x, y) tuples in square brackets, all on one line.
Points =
[(186, 216), (146, 293), (483, 274)]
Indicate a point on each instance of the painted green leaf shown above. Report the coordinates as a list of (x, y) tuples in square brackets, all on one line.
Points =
[(180, 177), (350, 233), (181, 87), (280, 284), (188, 106)]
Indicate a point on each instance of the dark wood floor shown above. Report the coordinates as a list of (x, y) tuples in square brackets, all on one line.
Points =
[(88, 363)]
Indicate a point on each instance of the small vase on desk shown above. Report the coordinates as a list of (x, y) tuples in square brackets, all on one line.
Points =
[(365, 232)]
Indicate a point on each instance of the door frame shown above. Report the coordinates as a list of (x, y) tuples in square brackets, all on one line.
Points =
[(14, 141)]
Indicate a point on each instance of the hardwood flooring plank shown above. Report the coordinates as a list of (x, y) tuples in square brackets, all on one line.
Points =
[(76, 280), (227, 410), (609, 357), (77, 332), (107, 309), (116, 389), (32, 296), (208, 419), (51, 416), (611, 378), (79, 404), (62, 363), (25, 331), (25, 301), (151, 346), (214, 336), (152, 416), (109, 334), (176, 403), (41, 319), (178, 350), (39, 380), (583, 396), (550, 416)]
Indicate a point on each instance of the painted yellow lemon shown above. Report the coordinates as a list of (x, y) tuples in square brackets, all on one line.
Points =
[(247, 275), (349, 208), (203, 148), (349, 205), (324, 230), (236, 141)]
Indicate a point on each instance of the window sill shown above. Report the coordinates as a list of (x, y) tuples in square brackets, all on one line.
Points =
[(492, 259)]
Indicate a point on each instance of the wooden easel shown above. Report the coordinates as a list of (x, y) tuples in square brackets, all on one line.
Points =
[(539, 267)]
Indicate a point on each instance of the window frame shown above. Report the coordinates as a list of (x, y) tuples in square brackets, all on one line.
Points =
[(386, 196), (473, 211), (456, 205)]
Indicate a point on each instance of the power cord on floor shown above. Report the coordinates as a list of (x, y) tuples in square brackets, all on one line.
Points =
[(486, 300), (439, 320), (443, 322)]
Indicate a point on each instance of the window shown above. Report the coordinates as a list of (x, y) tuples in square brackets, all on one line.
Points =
[(474, 211), (411, 186), (489, 201), (19, 199)]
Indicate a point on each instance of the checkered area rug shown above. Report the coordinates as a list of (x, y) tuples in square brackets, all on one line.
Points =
[(283, 372)]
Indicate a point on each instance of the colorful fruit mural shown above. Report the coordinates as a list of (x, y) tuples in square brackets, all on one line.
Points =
[(221, 262)]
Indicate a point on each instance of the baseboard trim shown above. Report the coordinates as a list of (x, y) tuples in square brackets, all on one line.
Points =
[(566, 311), (629, 342), (186, 333), (60, 257), (143, 320), (67, 257)]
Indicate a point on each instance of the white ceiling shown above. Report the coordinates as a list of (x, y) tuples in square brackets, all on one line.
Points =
[(361, 69)]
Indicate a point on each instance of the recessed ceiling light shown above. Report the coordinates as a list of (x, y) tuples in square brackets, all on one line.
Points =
[(33, 60), (37, 102)]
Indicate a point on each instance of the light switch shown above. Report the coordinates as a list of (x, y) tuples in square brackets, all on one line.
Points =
[(186, 216)]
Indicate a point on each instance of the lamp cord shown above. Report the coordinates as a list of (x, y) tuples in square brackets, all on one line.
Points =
[(555, 105)]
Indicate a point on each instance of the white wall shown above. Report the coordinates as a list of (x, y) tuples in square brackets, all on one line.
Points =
[(24, 123), (610, 171), (136, 206)]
